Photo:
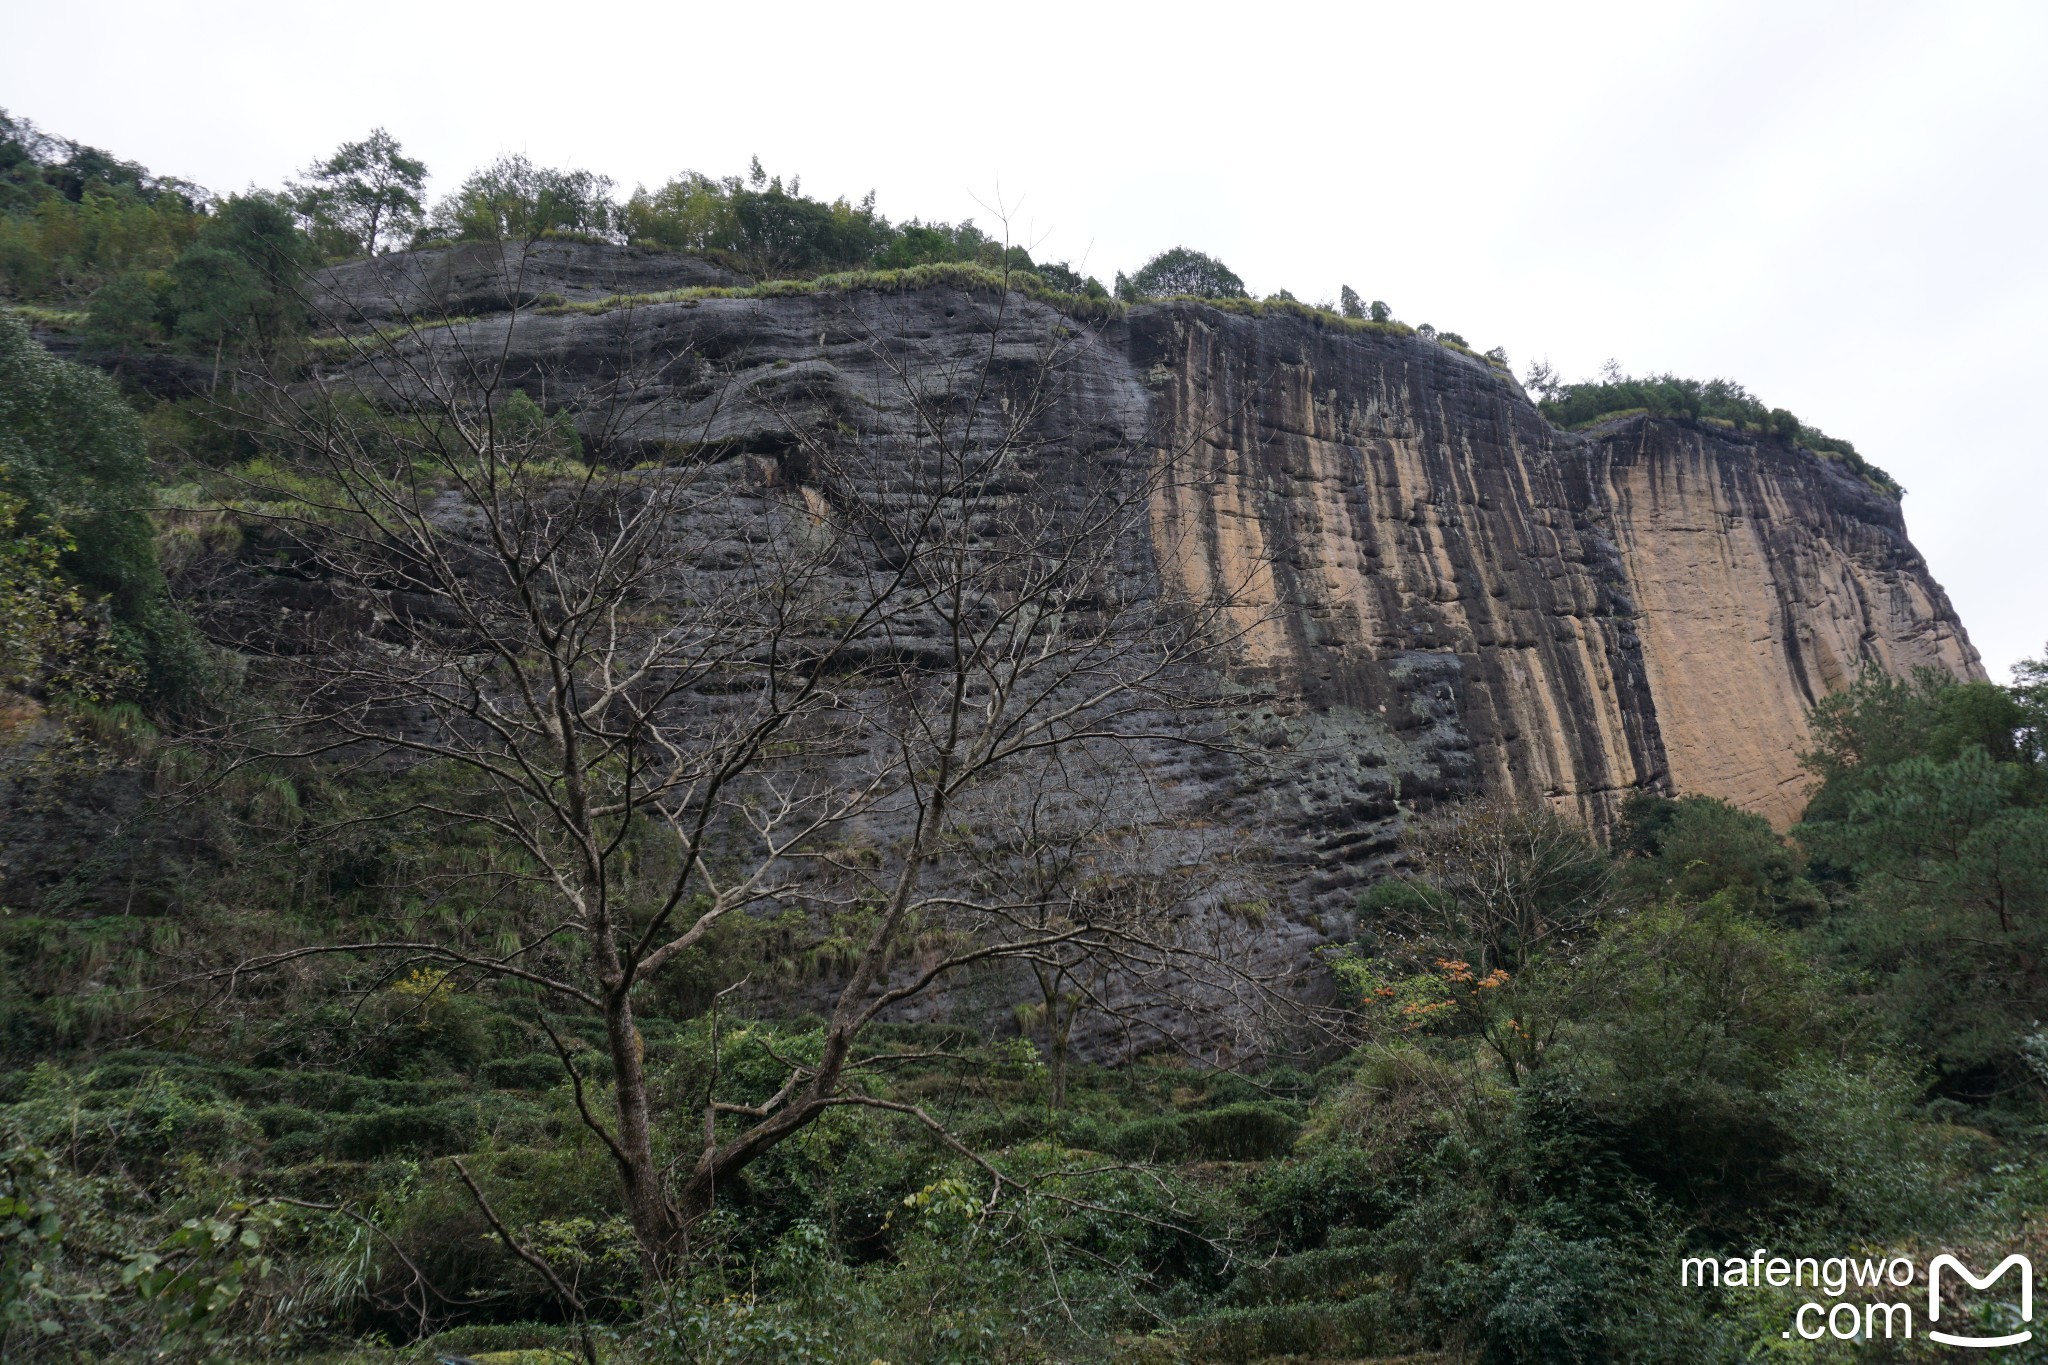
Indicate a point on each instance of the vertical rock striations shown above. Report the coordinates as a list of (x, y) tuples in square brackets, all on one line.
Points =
[(1433, 573), (1430, 583), (1765, 578), (1440, 593)]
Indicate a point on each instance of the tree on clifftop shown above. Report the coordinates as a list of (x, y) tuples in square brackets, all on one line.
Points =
[(1182, 271), (365, 192), (513, 200)]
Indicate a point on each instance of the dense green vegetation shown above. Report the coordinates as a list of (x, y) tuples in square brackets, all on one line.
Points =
[(146, 261), (1934, 803), (1566, 1066), (758, 225), (78, 224), (1721, 401), (770, 231), (75, 490), (1557, 1060), (74, 217), (150, 261)]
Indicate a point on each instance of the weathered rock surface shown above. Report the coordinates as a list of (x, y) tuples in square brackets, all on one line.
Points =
[(1650, 604), (1764, 578), (487, 277), (1441, 593)]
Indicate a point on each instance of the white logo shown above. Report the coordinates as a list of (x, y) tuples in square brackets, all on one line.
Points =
[(2026, 1270)]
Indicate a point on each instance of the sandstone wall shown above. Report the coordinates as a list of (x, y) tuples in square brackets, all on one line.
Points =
[(1765, 578), (1651, 604), (1440, 592)]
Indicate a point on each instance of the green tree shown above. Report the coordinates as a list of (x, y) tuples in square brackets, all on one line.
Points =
[(1063, 278), (1952, 871), (1182, 271), (1667, 395), (72, 217), (513, 200), (1352, 305), (1933, 814), (1861, 732), (240, 288), (2030, 690), (127, 312), (366, 191), (75, 489), (692, 212), (769, 229), (1697, 847)]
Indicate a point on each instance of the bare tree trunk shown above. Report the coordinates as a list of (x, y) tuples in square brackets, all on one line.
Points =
[(656, 1224), (1058, 1066)]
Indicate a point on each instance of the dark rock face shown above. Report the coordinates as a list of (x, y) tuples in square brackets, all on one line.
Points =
[(1439, 593), (164, 374), (476, 278)]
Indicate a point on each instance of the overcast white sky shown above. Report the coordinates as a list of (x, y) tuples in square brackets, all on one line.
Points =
[(1839, 205)]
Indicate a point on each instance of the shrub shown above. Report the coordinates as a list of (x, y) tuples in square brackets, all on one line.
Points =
[(1162, 1139), (534, 1071), (1334, 1272), (1698, 846), (127, 312), (1667, 395), (1858, 1139), (1361, 1326), (423, 1130), (1241, 1132), (1398, 1100), (1301, 1200), (1549, 1298), (493, 1337), (297, 1148), (277, 1120), (514, 200)]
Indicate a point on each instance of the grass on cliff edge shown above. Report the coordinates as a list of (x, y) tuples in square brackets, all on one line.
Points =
[(948, 274)]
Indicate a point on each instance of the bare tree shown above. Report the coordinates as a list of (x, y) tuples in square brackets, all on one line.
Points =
[(1078, 844), (659, 698), (1511, 880), (1500, 890)]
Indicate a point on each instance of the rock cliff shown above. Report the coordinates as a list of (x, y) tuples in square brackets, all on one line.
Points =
[(1652, 603), (1443, 593)]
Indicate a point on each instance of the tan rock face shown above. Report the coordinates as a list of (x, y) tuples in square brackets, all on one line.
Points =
[(1655, 604), (1766, 580)]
